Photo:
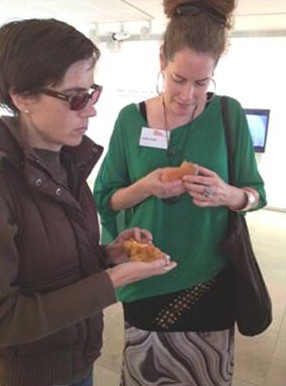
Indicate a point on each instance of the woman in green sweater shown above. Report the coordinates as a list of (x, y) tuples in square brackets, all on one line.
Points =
[(179, 328)]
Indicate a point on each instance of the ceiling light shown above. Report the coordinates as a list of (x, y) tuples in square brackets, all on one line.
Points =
[(121, 34)]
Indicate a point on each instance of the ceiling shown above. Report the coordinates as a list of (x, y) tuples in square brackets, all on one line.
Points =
[(251, 15)]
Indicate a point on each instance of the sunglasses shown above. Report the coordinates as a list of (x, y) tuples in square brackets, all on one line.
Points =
[(194, 10), (78, 99)]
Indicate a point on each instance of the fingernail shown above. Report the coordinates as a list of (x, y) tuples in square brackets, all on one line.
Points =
[(167, 260)]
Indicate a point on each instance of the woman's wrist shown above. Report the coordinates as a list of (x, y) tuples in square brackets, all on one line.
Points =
[(130, 196), (250, 200)]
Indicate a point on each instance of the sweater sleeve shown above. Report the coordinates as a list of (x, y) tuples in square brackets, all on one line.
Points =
[(25, 318), (245, 165)]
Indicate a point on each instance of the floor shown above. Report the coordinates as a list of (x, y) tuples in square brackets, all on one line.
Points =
[(260, 360)]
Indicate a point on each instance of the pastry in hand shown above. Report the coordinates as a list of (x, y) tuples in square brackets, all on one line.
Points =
[(174, 173), (146, 252)]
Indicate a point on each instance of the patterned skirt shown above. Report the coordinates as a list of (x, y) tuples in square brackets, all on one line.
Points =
[(177, 358)]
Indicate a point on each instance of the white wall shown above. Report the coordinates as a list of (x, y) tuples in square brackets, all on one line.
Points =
[(128, 75), (253, 71)]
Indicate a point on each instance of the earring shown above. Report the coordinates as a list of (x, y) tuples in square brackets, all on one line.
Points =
[(160, 83), (26, 111), (211, 91)]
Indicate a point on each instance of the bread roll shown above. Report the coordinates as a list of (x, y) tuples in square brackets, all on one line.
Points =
[(176, 173), (142, 251)]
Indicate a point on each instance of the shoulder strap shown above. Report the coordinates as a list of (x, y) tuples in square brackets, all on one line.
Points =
[(234, 217), (143, 111), (225, 119)]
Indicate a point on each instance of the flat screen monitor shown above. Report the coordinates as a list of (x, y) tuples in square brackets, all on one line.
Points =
[(258, 120)]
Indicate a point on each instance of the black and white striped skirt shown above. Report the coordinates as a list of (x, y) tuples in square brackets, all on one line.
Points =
[(177, 358)]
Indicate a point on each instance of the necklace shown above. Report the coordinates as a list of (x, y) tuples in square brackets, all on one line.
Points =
[(171, 150)]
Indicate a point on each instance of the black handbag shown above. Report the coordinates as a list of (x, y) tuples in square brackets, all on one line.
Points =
[(253, 308)]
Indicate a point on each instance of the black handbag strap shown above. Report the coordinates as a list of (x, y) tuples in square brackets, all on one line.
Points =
[(143, 110), (225, 119), (232, 215)]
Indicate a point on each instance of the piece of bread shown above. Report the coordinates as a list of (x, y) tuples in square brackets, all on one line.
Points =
[(142, 251), (174, 173)]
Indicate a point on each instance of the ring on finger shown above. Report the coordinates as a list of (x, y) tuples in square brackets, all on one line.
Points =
[(208, 192)]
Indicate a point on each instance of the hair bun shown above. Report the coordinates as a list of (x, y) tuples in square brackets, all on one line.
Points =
[(222, 7), (170, 6)]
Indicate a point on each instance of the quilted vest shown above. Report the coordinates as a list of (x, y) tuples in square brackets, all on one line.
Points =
[(62, 228)]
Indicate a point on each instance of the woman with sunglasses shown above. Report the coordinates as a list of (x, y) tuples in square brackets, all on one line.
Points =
[(55, 278), (179, 329)]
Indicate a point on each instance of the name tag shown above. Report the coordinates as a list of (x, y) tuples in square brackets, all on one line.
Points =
[(153, 138)]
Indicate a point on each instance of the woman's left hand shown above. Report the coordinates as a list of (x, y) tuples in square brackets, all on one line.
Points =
[(207, 188), (115, 252), (139, 234)]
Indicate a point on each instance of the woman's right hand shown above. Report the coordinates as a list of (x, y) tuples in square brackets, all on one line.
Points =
[(161, 189), (142, 189), (130, 272)]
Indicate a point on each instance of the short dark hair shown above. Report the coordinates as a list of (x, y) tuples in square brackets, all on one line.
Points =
[(37, 52)]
